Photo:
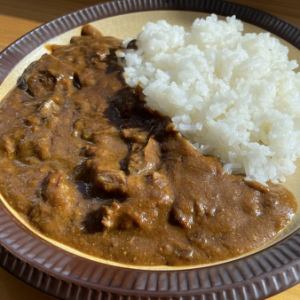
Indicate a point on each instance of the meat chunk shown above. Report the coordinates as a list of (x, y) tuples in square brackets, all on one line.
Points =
[(37, 82), (135, 135), (142, 206), (144, 160), (49, 75), (42, 148), (109, 215), (152, 154), (183, 213), (48, 108), (58, 192), (117, 217), (111, 181), (103, 168), (126, 215), (59, 205), (41, 83), (184, 163), (177, 250), (162, 191), (38, 148), (9, 146), (136, 159), (105, 158)]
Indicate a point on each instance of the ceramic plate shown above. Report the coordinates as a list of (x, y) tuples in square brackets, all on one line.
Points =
[(67, 273)]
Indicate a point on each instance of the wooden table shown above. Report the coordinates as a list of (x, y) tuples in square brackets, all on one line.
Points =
[(19, 16)]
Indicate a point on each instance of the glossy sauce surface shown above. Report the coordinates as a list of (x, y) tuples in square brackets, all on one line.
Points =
[(88, 164)]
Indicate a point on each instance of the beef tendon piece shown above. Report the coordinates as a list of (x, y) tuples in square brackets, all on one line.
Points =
[(176, 250), (162, 191), (8, 144), (135, 135), (48, 108), (49, 78), (59, 204), (111, 181), (143, 204), (103, 168), (109, 215), (118, 216), (58, 191), (125, 216), (41, 83), (183, 213), (144, 160)]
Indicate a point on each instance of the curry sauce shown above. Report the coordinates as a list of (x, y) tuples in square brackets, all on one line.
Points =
[(86, 162)]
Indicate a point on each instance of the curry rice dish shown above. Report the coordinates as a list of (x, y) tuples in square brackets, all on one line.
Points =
[(89, 165)]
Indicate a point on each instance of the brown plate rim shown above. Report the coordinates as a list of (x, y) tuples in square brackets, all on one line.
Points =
[(67, 276)]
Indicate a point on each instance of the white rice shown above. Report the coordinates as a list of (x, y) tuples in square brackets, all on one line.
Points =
[(232, 94)]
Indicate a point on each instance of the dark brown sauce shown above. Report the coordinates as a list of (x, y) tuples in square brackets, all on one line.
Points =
[(89, 165)]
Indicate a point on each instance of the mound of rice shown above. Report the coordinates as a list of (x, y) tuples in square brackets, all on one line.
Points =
[(233, 95)]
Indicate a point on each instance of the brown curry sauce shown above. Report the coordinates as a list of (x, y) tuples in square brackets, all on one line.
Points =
[(88, 164)]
